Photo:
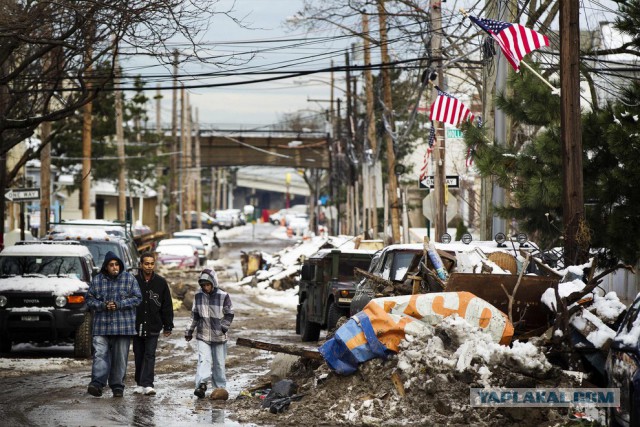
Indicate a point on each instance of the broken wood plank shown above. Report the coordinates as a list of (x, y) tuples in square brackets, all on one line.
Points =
[(306, 352), (395, 378)]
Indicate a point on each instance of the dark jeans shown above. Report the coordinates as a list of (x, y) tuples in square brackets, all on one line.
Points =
[(144, 350)]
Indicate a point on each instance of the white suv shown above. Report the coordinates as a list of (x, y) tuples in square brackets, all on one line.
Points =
[(42, 294)]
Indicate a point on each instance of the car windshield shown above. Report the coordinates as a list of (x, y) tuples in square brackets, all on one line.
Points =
[(345, 270), (99, 250), (45, 265)]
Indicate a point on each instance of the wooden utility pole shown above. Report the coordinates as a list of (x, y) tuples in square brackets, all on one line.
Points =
[(173, 157), (575, 245), (439, 187), (87, 110), (183, 189), (122, 169), (351, 226), (371, 129), (45, 178), (189, 177), (159, 186), (393, 204), (197, 180)]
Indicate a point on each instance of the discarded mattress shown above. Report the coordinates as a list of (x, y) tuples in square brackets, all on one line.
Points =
[(377, 330)]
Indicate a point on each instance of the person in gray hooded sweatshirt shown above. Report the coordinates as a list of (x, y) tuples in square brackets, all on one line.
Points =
[(211, 314)]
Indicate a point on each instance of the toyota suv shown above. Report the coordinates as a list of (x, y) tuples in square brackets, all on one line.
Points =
[(42, 294)]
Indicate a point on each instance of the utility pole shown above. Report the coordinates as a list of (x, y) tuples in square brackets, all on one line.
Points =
[(393, 203), (575, 244), (502, 122), (45, 178), (87, 110), (173, 158), (370, 182), (351, 228), (197, 180), (439, 187), (160, 187), (182, 170), (122, 202)]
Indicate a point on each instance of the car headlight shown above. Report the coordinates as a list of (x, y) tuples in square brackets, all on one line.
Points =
[(61, 301), (3, 301)]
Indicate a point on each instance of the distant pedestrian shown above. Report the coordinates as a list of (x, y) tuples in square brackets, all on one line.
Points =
[(154, 315), (112, 297), (212, 314)]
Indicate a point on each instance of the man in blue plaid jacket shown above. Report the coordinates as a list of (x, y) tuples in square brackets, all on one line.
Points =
[(112, 297)]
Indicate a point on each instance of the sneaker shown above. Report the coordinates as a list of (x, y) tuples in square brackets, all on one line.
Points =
[(138, 390), (149, 391), (118, 392), (200, 390), (94, 390)]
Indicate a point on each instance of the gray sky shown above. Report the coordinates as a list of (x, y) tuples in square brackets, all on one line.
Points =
[(258, 104)]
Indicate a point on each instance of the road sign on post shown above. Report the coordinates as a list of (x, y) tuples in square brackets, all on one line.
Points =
[(453, 181), (22, 194)]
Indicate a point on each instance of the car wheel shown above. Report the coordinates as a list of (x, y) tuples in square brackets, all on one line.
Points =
[(334, 314), (82, 342), (276, 222), (310, 331), (5, 344), (362, 297)]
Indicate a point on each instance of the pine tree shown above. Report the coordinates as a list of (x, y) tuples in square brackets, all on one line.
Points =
[(532, 171)]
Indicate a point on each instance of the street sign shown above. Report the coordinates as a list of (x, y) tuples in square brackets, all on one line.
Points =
[(22, 194), (428, 207), (453, 181)]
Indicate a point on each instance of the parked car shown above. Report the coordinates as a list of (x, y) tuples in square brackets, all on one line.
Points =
[(210, 238), (196, 244), (622, 368), (206, 220), (326, 286), (177, 256), (42, 294), (205, 240), (277, 218), (391, 263), (224, 219), (299, 224), (99, 243)]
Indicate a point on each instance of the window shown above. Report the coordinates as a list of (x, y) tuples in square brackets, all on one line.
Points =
[(45, 265)]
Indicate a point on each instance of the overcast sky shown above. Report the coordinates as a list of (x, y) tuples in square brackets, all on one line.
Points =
[(253, 105)]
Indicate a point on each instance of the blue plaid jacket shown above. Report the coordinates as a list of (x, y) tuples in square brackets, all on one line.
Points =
[(124, 291)]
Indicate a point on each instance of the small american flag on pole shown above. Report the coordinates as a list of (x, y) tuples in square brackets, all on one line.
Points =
[(448, 109), (514, 39)]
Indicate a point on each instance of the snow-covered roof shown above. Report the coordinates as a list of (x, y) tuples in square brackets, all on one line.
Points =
[(134, 188), (46, 249)]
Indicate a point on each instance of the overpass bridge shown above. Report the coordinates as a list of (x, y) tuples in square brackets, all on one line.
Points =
[(282, 148)]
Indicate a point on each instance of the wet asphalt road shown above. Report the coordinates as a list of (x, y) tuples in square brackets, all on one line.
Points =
[(46, 386)]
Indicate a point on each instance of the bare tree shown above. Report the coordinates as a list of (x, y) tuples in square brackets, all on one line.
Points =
[(47, 50)]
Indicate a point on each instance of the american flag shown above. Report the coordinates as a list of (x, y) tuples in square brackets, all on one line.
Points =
[(514, 39), (427, 154), (448, 109)]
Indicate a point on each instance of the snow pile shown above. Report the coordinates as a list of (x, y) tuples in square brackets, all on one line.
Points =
[(468, 348), (57, 286), (437, 367)]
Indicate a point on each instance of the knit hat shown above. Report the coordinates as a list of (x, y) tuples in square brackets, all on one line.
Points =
[(208, 275)]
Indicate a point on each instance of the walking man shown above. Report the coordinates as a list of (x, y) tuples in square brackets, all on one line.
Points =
[(112, 298), (211, 314), (154, 314)]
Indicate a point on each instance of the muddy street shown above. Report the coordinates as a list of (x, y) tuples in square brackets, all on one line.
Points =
[(47, 386)]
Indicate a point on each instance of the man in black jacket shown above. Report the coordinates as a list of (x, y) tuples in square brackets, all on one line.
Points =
[(154, 314)]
